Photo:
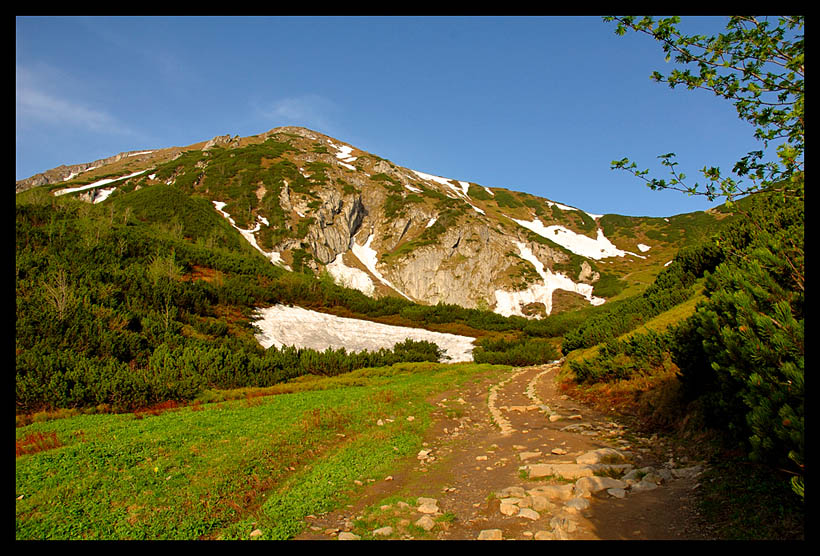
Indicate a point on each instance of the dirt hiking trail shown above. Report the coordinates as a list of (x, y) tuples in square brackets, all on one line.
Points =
[(526, 462)]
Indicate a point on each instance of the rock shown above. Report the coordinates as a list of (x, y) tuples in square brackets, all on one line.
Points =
[(559, 451), (256, 533), (553, 492), (562, 524), (383, 531), (687, 472), (508, 509), (595, 484), (541, 504), (597, 456), (490, 535), (529, 513), (425, 522), (564, 470), (616, 492), (513, 491), (577, 504), (348, 536), (544, 536), (528, 455), (427, 505), (643, 485)]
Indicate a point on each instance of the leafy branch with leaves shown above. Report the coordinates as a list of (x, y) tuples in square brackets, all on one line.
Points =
[(757, 66)]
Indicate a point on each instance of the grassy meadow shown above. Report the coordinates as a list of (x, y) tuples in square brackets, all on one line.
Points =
[(222, 469)]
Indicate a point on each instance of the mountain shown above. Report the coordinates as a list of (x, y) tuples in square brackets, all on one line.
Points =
[(312, 203)]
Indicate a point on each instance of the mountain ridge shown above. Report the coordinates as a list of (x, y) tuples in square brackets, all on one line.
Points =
[(309, 201)]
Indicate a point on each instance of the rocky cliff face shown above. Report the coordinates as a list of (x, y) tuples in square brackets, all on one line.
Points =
[(380, 227)]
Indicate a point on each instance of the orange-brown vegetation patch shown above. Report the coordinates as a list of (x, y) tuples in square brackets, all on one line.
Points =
[(157, 409), (37, 442), (656, 401), (202, 273)]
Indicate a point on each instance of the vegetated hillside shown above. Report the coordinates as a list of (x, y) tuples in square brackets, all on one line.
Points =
[(145, 289), (731, 358), (311, 202)]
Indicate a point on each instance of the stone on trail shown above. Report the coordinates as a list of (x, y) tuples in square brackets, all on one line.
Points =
[(383, 531), (490, 535), (513, 491), (616, 492), (595, 484), (597, 456), (544, 536), (553, 492), (348, 536), (508, 509), (528, 455), (541, 503), (644, 485), (427, 505), (577, 504), (529, 513), (563, 470), (425, 522)]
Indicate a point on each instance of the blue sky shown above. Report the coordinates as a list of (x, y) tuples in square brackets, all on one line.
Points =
[(534, 104)]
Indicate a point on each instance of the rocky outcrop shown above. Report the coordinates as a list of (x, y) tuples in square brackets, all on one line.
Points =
[(67, 172), (222, 141), (336, 222)]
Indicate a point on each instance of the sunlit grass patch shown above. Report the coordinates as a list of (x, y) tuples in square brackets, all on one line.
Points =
[(225, 468)]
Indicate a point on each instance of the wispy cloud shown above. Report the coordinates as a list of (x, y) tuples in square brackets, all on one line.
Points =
[(37, 104), (311, 110)]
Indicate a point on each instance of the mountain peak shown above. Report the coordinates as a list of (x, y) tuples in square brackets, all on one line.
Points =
[(310, 202)]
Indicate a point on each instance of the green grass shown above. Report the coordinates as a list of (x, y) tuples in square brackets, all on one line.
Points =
[(221, 470)]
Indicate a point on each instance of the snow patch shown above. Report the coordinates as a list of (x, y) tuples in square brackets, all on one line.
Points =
[(96, 183), (413, 189), (281, 325), (643, 248), (509, 303), (369, 257), (350, 277), (579, 244), (432, 221), (344, 153), (461, 192), (273, 256), (475, 208), (103, 194), (565, 207)]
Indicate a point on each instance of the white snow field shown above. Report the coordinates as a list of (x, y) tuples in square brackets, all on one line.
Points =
[(283, 325), (599, 248), (96, 184), (369, 257), (350, 277), (509, 303), (565, 207)]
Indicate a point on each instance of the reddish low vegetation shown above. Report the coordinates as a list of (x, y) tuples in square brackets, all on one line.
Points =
[(37, 442)]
